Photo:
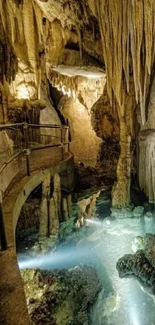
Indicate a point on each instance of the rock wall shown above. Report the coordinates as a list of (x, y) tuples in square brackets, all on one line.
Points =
[(79, 93), (105, 122), (147, 163), (150, 113), (147, 149), (84, 142)]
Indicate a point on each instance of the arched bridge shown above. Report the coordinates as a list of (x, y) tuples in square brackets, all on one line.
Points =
[(28, 153)]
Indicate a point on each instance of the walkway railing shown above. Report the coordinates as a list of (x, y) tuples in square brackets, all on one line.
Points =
[(24, 138), (20, 141)]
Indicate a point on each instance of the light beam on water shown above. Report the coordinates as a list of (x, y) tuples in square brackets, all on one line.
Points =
[(63, 258), (94, 222)]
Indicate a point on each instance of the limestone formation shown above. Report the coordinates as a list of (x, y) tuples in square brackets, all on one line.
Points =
[(147, 163), (84, 146), (53, 218), (43, 227), (120, 30), (69, 204), (142, 263), (65, 209), (44, 207), (88, 64), (57, 193), (46, 185), (86, 208), (121, 190), (55, 206)]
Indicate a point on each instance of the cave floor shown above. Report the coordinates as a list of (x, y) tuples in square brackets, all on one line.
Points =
[(122, 301)]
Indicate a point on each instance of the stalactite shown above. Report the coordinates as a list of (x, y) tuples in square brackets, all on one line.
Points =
[(30, 32), (21, 26), (85, 11), (125, 29), (38, 17)]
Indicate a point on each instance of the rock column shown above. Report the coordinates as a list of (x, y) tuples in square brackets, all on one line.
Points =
[(69, 204), (121, 191), (43, 229), (65, 209), (55, 207)]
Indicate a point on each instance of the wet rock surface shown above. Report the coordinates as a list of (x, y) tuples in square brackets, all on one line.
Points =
[(60, 296), (142, 263)]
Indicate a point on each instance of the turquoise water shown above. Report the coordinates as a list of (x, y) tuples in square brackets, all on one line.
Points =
[(102, 243), (127, 303)]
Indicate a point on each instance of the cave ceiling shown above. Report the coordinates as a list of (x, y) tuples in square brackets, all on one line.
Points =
[(37, 34), (115, 34)]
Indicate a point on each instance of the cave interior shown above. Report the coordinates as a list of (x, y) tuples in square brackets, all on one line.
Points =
[(77, 162)]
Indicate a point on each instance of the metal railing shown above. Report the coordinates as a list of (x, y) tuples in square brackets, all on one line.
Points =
[(21, 140), (27, 138)]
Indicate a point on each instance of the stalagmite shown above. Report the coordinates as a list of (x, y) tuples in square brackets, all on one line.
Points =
[(69, 204), (121, 190), (53, 218), (43, 227), (57, 193), (46, 185), (65, 209), (55, 206), (92, 206)]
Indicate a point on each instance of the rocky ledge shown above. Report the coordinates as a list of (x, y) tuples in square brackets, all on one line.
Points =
[(142, 263), (60, 297)]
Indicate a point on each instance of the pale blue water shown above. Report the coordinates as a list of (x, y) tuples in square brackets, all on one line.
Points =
[(122, 301)]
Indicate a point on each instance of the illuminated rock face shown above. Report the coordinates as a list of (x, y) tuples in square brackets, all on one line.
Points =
[(147, 149), (79, 89), (34, 34), (84, 142)]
